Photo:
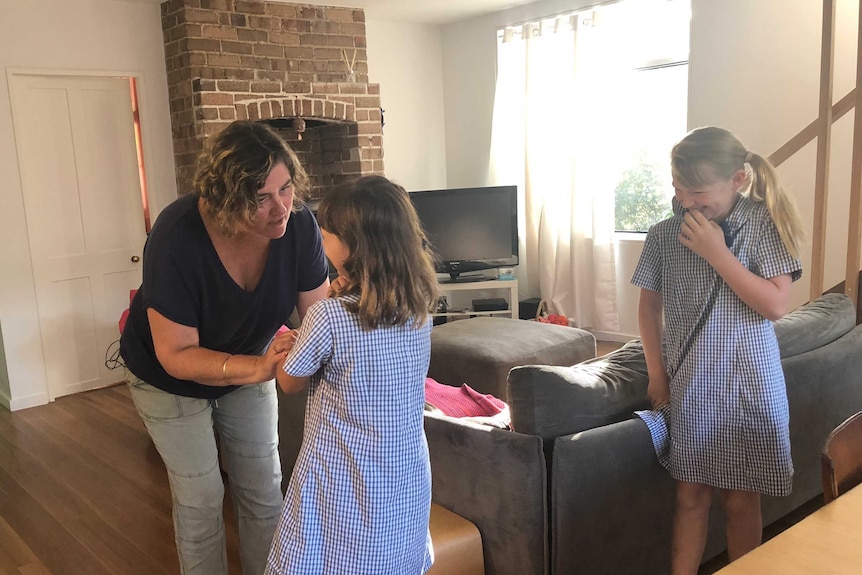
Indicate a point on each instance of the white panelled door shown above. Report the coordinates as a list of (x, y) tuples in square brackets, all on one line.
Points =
[(82, 198)]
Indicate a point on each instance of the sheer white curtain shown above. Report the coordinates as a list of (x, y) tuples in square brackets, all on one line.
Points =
[(559, 115)]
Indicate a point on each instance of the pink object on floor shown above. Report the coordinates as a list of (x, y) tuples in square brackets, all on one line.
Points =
[(461, 401)]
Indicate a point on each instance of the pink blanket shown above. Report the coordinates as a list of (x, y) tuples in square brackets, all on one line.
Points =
[(461, 401)]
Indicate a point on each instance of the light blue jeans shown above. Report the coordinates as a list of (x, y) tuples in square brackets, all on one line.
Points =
[(182, 429)]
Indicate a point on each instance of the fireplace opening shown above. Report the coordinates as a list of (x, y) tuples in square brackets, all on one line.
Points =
[(328, 150)]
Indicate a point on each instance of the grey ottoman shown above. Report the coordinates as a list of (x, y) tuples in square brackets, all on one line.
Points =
[(480, 351)]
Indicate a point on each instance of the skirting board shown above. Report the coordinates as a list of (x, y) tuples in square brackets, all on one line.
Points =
[(23, 402)]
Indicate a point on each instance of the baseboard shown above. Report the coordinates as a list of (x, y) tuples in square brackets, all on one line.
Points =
[(23, 402)]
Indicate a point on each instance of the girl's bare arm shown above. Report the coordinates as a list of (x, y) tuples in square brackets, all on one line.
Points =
[(289, 383), (650, 309)]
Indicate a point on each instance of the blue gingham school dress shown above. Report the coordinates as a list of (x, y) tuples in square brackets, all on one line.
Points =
[(359, 499), (728, 417)]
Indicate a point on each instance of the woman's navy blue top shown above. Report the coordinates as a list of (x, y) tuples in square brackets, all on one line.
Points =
[(185, 281)]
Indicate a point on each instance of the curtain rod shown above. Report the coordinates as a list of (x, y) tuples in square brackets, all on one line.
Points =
[(560, 14)]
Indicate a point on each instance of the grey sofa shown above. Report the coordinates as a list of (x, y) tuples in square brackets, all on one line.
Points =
[(577, 488)]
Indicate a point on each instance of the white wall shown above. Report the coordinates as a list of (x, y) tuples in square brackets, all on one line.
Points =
[(95, 37), (754, 68), (406, 60)]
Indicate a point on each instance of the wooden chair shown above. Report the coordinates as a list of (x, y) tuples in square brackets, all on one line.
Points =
[(841, 459)]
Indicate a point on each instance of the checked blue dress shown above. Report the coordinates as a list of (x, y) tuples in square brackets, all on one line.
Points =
[(727, 424), (360, 496)]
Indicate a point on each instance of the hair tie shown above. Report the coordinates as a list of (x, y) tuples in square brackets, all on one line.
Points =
[(747, 157)]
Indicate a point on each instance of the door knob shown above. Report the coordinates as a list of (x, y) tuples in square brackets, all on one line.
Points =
[(135, 259)]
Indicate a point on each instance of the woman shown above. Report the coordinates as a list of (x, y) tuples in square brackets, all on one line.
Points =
[(224, 268)]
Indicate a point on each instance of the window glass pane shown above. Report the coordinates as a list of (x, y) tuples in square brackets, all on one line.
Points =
[(657, 120)]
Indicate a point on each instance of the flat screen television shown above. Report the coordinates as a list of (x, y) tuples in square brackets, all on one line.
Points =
[(470, 229)]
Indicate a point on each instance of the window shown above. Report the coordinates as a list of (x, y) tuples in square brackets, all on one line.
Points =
[(656, 119)]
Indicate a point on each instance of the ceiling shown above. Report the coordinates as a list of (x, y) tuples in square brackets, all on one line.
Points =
[(419, 11), (423, 11)]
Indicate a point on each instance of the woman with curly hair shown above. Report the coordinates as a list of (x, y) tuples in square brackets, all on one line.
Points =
[(224, 268)]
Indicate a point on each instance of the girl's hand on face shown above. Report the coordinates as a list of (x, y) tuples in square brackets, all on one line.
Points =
[(702, 236), (658, 391)]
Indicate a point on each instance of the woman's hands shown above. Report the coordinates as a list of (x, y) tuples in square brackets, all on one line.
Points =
[(271, 362), (268, 364), (280, 347), (284, 342)]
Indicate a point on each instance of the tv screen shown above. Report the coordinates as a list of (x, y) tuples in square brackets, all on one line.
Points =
[(470, 229)]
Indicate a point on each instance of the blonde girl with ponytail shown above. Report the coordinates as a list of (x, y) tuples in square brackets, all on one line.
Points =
[(713, 278)]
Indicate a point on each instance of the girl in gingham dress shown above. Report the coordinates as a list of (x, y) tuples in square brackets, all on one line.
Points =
[(360, 496), (719, 273)]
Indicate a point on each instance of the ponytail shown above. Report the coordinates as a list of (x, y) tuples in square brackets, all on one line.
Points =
[(710, 151), (766, 187)]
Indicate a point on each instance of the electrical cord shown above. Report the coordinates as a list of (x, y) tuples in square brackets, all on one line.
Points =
[(113, 359)]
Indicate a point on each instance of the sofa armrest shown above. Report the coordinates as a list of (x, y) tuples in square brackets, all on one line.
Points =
[(611, 503), (496, 479)]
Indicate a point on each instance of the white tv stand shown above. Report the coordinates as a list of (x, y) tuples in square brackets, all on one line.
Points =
[(510, 285)]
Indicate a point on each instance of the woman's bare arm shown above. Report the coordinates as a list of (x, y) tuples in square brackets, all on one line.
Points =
[(180, 354)]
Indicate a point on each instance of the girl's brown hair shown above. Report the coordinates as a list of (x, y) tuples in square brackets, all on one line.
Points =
[(234, 166), (705, 153), (390, 265)]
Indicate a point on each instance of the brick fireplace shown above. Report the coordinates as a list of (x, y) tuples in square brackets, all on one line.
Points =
[(273, 62)]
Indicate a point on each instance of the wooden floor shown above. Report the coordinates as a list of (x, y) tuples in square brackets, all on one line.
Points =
[(83, 491)]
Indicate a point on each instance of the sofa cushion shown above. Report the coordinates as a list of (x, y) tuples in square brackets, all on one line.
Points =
[(480, 351), (815, 324), (551, 401)]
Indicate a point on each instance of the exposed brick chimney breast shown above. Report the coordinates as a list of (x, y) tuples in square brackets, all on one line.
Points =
[(271, 61)]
